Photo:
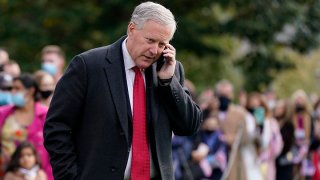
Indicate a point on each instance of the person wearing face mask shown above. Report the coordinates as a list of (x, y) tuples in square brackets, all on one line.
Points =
[(53, 61), (12, 68), (268, 137), (23, 121), (46, 85), (238, 129), (302, 132), (301, 116), (5, 87)]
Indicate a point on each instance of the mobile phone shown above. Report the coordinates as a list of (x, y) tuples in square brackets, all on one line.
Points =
[(161, 61)]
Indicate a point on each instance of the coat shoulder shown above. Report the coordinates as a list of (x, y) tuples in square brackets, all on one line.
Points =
[(101, 53), (97, 53)]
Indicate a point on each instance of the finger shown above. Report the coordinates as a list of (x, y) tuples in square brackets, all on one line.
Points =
[(169, 56), (169, 46), (168, 51)]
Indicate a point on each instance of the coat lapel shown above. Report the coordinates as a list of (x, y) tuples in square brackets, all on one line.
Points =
[(115, 74)]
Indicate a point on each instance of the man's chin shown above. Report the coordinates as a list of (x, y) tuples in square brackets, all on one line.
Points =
[(145, 64)]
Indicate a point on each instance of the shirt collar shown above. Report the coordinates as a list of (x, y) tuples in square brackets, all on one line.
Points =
[(128, 62)]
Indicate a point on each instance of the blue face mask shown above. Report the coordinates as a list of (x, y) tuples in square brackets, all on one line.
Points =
[(49, 68), (18, 99), (259, 113), (5, 98)]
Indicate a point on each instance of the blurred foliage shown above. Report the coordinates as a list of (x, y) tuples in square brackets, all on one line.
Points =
[(239, 40), (305, 76)]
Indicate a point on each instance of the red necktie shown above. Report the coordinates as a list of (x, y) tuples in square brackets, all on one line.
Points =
[(140, 165)]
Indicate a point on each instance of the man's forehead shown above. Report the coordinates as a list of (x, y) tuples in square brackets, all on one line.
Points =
[(51, 57), (158, 37), (159, 31)]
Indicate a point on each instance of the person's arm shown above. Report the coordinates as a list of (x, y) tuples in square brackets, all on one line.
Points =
[(42, 175), (185, 114), (65, 110), (278, 143), (9, 176)]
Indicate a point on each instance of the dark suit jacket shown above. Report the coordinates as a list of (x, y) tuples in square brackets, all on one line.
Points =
[(88, 129)]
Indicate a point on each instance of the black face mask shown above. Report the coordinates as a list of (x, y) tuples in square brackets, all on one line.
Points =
[(224, 103), (251, 110), (208, 132), (300, 108), (279, 117), (46, 94)]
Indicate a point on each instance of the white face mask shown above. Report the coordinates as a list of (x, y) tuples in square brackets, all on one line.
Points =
[(271, 104)]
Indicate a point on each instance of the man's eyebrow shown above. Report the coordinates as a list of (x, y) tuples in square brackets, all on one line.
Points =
[(164, 42)]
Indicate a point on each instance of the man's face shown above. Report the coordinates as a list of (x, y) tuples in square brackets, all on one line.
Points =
[(226, 91), (12, 69), (254, 102), (145, 45), (53, 58), (47, 83)]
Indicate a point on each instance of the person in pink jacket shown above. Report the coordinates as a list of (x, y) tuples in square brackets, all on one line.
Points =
[(23, 121), (269, 142)]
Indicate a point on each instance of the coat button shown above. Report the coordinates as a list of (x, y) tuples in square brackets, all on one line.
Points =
[(113, 169)]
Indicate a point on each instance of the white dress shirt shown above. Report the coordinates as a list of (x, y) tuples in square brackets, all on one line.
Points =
[(128, 65)]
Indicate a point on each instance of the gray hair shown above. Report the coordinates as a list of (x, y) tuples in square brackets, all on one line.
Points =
[(153, 11), (222, 83)]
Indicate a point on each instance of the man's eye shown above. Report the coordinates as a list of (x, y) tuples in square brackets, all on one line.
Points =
[(150, 40)]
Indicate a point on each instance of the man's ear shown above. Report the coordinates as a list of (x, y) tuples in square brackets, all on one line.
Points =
[(131, 28)]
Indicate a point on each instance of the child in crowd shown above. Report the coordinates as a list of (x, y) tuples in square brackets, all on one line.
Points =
[(209, 155), (25, 164)]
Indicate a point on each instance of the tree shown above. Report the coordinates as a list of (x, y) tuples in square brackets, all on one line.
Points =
[(234, 39)]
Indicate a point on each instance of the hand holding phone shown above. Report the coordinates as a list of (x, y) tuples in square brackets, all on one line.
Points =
[(167, 62)]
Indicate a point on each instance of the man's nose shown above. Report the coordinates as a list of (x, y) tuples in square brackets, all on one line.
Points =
[(154, 49)]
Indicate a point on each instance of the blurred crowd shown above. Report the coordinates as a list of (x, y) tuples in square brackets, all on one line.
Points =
[(260, 137), (24, 101)]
